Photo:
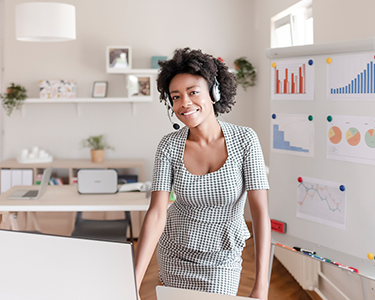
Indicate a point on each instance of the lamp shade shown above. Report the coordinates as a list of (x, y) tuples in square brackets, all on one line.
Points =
[(45, 22)]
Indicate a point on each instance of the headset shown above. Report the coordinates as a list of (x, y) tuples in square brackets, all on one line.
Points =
[(215, 96)]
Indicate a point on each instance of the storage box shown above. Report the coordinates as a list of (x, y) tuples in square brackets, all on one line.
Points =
[(51, 89), (97, 181)]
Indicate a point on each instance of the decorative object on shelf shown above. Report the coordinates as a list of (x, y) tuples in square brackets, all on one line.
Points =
[(45, 22), (155, 61), (97, 145), (13, 98), (36, 155), (52, 89), (99, 89), (246, 74), (140, 86), (118, 59)]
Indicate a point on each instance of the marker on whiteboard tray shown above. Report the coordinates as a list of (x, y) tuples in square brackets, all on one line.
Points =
[(304, 250), (320, 258), (286, 247), (345, 267)]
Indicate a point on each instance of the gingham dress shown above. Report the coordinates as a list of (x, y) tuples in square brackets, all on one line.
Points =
[(201, 245)]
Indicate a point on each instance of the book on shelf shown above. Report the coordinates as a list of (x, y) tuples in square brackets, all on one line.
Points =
[(56, 181)]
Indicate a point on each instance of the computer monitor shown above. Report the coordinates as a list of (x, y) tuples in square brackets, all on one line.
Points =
[(36, 266)]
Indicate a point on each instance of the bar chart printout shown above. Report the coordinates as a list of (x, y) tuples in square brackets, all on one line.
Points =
[(292, 134), (351, 77), (292, 80)]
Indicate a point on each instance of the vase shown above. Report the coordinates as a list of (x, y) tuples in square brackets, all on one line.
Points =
[(97, 156)]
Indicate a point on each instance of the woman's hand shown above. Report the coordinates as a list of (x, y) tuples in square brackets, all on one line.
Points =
[(259, 294)]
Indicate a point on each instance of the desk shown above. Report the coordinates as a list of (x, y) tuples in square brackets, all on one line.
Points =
[(67, 169), (66, 198)]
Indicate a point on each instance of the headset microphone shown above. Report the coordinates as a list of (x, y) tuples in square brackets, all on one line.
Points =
[(175, 125), (169, 104)]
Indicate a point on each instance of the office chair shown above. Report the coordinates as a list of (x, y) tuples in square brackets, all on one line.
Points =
[(106, 230)]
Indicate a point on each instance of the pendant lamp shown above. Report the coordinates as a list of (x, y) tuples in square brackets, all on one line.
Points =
[(45, 22)]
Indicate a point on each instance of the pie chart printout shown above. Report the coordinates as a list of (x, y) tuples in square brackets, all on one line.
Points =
[(370, 138), (335, 135), (353, 136)]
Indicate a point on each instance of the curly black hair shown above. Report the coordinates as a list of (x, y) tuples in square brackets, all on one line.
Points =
[(196, 62)]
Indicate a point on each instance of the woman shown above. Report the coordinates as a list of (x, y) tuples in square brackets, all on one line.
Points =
[(212, 167)]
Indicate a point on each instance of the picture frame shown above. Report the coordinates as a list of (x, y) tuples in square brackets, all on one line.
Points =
[(140, 87), (99, 89), (118, 59), (53, 89)]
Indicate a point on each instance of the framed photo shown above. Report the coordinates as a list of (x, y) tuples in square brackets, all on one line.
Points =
[(50, 89), (99, 89), (140, 87), (118, 59)]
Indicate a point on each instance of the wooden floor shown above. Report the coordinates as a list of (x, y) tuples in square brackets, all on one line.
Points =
[(282, 287)]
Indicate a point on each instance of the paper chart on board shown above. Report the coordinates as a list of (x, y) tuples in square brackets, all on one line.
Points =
[(292, 79), (351, 77), (351, 139), (293, 134), (322, 201)]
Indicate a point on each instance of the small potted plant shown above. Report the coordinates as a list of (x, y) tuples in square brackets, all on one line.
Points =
[(97, 145), (13, 98), (246, 74)]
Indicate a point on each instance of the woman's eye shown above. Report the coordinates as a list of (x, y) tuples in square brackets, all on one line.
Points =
[(175, 98), (194, 92)]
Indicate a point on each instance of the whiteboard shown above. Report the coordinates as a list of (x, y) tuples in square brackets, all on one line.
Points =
[(348, 244), (36, 266)]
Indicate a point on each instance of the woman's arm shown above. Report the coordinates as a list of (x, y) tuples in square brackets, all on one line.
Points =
[(262, 240), (152, 228)]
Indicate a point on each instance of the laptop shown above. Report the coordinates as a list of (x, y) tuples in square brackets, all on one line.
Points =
[(41, 266), (34, 194), (170, 293)]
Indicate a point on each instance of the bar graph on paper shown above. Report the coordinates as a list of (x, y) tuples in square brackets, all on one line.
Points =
[(292, 134), (351, 77), (292, 79)]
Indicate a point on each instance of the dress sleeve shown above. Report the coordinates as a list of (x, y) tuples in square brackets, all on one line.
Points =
[(254, 167), (162, 177)]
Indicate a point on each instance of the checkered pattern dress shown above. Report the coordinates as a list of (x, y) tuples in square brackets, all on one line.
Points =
[(205, 232)]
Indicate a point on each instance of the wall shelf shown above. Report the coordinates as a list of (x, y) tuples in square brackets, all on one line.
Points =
[(139, 71), (79, 101)]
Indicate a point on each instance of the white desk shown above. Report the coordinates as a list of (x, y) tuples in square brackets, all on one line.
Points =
[(66, 198)]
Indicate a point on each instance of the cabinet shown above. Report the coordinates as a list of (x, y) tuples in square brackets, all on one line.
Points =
[(66, 169)]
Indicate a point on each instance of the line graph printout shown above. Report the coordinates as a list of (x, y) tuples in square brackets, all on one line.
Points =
[(293, 134), (351, 139), (322, 202), (292, 79), (351, 77)]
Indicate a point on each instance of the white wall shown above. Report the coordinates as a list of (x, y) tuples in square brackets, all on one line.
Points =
[(219, 27)]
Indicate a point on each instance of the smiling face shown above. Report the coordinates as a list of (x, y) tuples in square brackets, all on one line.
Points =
[(191, 99)]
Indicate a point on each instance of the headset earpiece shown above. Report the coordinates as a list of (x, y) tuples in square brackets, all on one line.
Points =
[(169, 103), (215, 91)]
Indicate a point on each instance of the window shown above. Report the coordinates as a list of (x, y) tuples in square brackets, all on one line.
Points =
[(293, 26)]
